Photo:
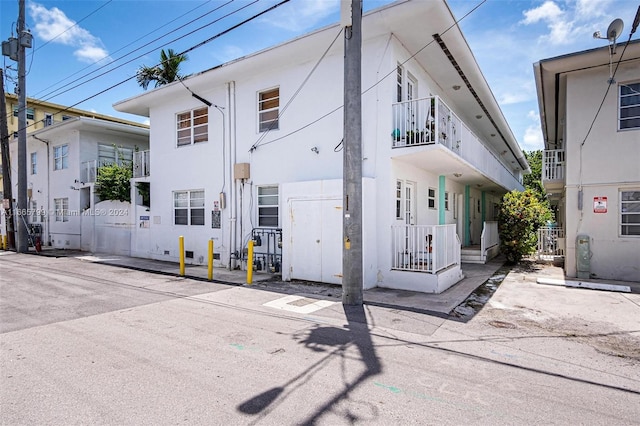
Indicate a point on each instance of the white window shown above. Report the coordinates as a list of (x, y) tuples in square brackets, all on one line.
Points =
[(61, 157), (34, 163), (630, 212), (431, 198), (111, 154), (30, 112), (268, 109), (62, 209), (630, 106), (446, 200), (268, 206), (399, 200), (48, 119), (399, 83), (188, 207), (34, 211), (192, 126)]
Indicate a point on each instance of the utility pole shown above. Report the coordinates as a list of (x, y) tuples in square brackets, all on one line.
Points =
[(6, 166), (352, 166), (24, 40)]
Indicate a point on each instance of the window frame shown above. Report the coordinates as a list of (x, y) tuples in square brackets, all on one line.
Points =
[(399, 198), (190, 125), (34, 163), (635, 93), (267, 125), (48, 119), (261, 198), (623, 213), (61, 209), (431, 198), (31, 113), (63, 157), (194, 205), (446, 200)]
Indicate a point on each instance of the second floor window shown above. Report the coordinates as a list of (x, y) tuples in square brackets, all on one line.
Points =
[(111, 154), (193, 126), (48, 120), (630, 106), (30, 113), (268, 109), (60, 157), (431, 198), (34, 163)]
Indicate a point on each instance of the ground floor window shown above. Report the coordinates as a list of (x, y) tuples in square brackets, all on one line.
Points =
[(188, 207), (268, 202), (61, 209), (630, 212)]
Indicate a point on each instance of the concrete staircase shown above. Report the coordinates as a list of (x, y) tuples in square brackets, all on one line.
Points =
[(471, 254)]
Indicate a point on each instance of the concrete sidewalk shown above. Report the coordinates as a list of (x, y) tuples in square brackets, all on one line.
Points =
[(436, 304)]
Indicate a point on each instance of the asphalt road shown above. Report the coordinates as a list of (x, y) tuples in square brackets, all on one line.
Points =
[(84, 343)]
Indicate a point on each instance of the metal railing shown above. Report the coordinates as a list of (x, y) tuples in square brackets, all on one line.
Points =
[(489, 238), (88, 171), (553, 164), (141, 164), (430, 121), (424, 248), (551, 242)]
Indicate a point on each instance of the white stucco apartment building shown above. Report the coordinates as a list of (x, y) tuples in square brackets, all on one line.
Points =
[(62, 162), (267, 155), (591, 164)]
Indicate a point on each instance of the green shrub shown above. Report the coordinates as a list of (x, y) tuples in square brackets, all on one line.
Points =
[(113, 182), (520, 216)]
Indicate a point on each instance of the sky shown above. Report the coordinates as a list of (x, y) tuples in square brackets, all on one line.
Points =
[(86, 53)]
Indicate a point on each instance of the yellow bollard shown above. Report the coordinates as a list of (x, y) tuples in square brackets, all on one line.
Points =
[(250, 263), (181, 244), (5, 242), (210, 271)]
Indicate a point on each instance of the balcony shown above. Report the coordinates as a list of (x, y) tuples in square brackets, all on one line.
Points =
[(430, 122), (553, 169), (141, 164), (88, 171)]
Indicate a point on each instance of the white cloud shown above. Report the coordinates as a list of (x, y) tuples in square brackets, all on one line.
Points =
[(54, 26), (300, 16), (549, 12), (532, 139)]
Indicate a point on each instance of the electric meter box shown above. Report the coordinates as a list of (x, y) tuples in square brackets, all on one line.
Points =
[(241, 171), (583, 256)]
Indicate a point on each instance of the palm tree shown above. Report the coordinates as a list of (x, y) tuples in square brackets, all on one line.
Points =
[(163, 73)]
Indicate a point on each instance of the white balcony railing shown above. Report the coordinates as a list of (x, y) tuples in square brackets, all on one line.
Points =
[(553, 165), (424, 248), (88, 171), (431, 121), (489, 238), (141, 164)]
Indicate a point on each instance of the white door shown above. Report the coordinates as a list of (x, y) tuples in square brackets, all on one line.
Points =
[(316, 240), (409, 203)]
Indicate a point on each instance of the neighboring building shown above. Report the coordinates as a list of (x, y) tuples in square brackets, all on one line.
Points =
[(62, 162), (591, 167), (42, 114), (266, 159)]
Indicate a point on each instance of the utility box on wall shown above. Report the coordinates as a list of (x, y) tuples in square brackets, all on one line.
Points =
[(241, 171), (583, 256)]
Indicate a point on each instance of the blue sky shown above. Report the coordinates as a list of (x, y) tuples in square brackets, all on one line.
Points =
[(73, 38)]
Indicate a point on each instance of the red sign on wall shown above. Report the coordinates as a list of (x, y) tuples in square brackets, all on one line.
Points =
[(599, 204)]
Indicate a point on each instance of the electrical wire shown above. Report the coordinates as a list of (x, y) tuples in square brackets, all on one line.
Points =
[(182, 53), (125, 46), (304, 82), (377, 82)]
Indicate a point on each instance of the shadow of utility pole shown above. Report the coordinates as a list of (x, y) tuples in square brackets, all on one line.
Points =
[(355, 333)]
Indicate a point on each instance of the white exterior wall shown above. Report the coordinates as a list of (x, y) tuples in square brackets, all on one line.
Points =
[(610, 163)]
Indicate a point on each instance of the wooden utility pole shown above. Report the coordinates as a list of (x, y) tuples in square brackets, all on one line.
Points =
[(6, 166), (352, 167)]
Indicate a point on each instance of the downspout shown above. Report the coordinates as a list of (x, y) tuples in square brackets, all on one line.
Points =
[(48, 190), (231, 95)]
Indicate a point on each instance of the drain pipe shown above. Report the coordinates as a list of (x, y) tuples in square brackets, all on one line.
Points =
[(231, 95), (46, 142)]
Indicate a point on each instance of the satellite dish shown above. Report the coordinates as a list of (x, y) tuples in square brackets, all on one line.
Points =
[(615, 29)]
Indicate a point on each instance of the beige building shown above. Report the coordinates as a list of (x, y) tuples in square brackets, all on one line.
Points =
[(591, 169), (42, 114)]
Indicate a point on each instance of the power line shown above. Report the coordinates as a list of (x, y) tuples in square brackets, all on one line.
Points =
[(379, 81), (182, 53)]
